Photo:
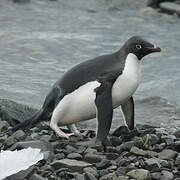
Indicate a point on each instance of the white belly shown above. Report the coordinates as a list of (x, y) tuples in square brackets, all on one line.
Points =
[(80, 105)]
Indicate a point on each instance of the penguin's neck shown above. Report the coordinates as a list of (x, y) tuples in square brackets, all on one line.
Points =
[(132, 66)]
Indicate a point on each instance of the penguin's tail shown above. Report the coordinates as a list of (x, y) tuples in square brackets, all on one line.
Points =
[(34, 119), (41, 115)]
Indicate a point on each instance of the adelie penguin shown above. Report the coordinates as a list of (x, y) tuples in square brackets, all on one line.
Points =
[(93, 89)]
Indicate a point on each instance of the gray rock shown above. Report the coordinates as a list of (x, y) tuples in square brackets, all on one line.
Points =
[(36, 177), (125, 146), (3, 126), (156, 175), (3, 138), (74, 165), (170, 7), (152, 154), (177, 133), (150, 139), (177, 162), (168, 154), (103, 164), (138, 151), (122, 161), (89, 176), (70, 149), (79, 177), (177, 146), (22, 174), (60, 156), (110, 176), (138, 141), (152, 164), (91, 170), (166, 175), (16, 136), (103, 172), (140, 174), (92, 158), (168, 139), (75, 156), (112, 156)]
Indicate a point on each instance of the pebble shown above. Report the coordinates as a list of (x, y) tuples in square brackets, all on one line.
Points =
[(138, 151), (156, 175), (110, 176), (152, 164), (89, 176), (177, 162), (74, 165), (166, 175), (140, 174), (177, 134), (92, 158), (91, 170), (168, 154), (103, 164), (3, 126), (75, 156)]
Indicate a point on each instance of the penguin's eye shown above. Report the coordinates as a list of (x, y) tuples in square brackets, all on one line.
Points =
[(138, 46)]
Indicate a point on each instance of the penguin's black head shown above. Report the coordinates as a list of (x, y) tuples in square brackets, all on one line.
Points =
[(140, 47)]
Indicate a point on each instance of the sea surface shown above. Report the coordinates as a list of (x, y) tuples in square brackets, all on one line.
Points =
[(41, 40)]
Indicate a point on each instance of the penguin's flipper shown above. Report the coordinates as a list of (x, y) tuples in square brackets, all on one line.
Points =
[(128, 112), (104, 108), (104, 105)]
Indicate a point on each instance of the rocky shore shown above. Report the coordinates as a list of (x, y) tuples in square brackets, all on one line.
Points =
[(145, 153)]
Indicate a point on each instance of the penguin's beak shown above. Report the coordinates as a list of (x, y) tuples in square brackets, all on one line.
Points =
[(154, 49)]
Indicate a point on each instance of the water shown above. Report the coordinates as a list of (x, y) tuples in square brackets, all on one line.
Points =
[(40, 40)]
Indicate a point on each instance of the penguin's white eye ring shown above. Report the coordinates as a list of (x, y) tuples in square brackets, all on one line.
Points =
[(138, 46)]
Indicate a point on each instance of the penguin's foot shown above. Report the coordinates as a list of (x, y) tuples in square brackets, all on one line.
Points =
[(59, 132), (73, 129)]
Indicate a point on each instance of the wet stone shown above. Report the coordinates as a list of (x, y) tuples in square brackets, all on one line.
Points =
[(150, 139), (110, 176), (168, 154), (103, 164), (140, 174), (103, 172), (91, 170), (156, 175), (138, 151), (152, 165), (168, 139), (177, 162), (74, 165), (122, 161), (176, 146), (60, 156), (125, 146), (3, 126), (177, 134), (89, 176), (166, 175), (75, 156), (92, 158), (36, 177)]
